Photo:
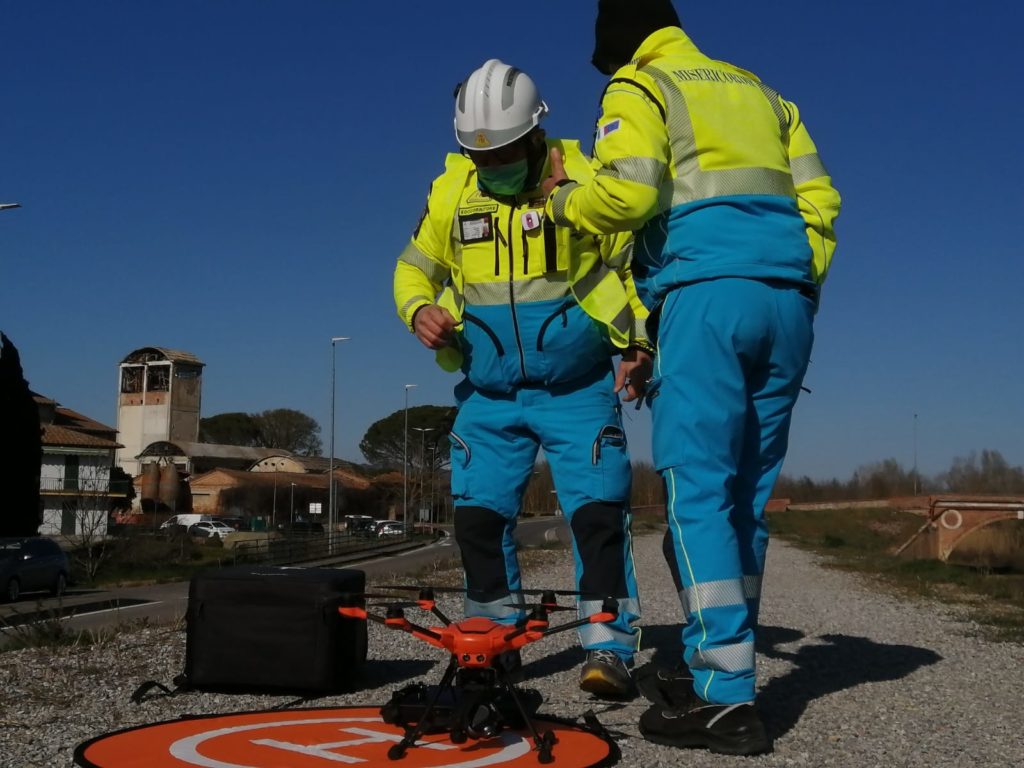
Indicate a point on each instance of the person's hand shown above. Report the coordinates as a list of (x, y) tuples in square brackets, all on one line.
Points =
[(634, 371), (433, 326), (557, 173)]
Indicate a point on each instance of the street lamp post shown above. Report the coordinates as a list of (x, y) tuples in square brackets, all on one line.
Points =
[(433, 461), (291, 504), (330, 472), (423, 454), (915, 454), (405, 462)]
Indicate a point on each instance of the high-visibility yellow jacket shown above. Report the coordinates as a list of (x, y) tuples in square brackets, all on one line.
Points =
[(535, 303), (716, 171)]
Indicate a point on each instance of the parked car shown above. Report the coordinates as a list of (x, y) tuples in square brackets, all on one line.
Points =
[(31, 564), (210, 529), (237, 523), (360, 525), (391, 528), (184, 521)]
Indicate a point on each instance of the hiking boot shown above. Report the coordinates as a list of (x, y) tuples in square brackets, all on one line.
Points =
[(605, 674), (727, 729), (667, 687)]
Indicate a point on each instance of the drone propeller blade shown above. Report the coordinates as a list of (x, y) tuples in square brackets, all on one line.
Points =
[(560, 593), (549, 607), (368, 596), (423, 587)]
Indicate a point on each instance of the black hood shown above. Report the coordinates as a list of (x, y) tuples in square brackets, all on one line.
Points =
[(622, 25)]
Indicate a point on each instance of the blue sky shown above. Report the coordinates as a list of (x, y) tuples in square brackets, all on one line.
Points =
[(236, 179)]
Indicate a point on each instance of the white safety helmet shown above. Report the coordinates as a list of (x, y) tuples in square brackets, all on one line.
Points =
[(496, 105)]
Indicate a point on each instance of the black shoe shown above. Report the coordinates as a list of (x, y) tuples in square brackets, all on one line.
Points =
[(667, 687), (727, 729), (605, 674)]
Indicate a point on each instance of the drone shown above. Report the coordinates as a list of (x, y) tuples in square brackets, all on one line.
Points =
[(470, 701)]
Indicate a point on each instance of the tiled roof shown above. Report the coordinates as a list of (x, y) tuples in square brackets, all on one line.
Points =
[(81, 422), (282, 479), (209, 450), (55, 435), (71, 428)]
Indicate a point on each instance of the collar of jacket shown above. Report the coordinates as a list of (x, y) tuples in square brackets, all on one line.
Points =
[(665, 41)]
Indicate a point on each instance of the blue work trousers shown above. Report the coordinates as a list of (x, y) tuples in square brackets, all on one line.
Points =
[(495, 440), (732, 354)]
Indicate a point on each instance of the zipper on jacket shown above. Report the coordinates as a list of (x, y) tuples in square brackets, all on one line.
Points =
[(497, 250), (512, 293), (526, 253)]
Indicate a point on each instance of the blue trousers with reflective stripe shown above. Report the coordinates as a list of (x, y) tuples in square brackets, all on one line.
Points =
[(732, 354), (495, 440)]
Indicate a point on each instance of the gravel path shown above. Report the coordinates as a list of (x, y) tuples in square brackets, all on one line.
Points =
[(848, 677)]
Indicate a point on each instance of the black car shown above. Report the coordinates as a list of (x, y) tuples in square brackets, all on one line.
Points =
[(32, 564)]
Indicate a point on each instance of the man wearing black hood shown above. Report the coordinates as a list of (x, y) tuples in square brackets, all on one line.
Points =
[(733, 213)]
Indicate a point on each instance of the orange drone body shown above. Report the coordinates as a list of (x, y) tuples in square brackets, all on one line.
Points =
[(473, 642)]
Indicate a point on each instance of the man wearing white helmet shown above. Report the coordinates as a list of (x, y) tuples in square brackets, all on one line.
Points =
[(533, 315)]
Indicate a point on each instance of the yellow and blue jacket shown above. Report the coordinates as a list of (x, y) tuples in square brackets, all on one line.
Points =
[(535, 303), (715, 171)]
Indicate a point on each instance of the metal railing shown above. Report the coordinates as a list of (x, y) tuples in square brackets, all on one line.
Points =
[(96, 486), (326, 547)]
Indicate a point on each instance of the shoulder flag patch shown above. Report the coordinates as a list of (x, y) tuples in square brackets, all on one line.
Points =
[(609, 127)]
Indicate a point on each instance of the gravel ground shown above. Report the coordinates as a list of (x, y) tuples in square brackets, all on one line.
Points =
[(848, 676)]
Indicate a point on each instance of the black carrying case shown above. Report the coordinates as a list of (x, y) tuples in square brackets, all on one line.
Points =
[(264, 628)]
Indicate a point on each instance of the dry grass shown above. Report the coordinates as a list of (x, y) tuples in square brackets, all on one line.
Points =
[(986, 574)]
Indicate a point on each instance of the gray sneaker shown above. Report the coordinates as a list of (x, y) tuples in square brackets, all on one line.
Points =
[(605, 674)]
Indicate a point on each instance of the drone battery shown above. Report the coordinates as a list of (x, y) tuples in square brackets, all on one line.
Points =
[(274, 629)]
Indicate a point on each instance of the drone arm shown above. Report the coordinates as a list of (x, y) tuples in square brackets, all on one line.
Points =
[(427, 635), (437, 612), (598, 618)]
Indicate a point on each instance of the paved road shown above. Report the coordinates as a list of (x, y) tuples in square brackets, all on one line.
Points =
[(167, 603)]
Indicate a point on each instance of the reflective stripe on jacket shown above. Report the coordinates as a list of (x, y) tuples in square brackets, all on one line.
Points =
[(714, 168), (535, 302)]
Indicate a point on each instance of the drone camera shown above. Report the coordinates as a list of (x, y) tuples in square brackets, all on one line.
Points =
[(483, 721)]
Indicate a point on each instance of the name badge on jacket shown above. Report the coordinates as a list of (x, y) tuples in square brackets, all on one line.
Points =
[(475, 229)]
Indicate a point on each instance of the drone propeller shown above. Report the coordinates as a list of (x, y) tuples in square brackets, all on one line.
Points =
[(542, 593), (398, 604), (368, 596), (547, 607), (421, 588)]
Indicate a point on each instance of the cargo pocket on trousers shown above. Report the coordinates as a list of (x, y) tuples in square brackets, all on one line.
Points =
[(610, 455), (460, 458)]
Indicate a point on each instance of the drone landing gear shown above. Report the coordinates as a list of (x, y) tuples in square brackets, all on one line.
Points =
[(479, 705)]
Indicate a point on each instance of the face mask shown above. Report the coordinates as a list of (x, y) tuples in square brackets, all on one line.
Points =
[(504, 179)]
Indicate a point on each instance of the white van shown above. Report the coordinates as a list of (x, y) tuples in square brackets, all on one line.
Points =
[(185, 520)]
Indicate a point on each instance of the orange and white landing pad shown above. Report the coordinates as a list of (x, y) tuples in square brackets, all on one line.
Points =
[(326, 738)]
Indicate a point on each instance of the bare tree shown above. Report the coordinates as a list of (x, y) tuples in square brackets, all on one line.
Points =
[(87, 502)]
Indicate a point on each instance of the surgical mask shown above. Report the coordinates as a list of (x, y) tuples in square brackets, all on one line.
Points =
[(504, 179)]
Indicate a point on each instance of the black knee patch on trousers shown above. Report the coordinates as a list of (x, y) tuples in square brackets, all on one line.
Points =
[(479, 532), (599, 530)]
